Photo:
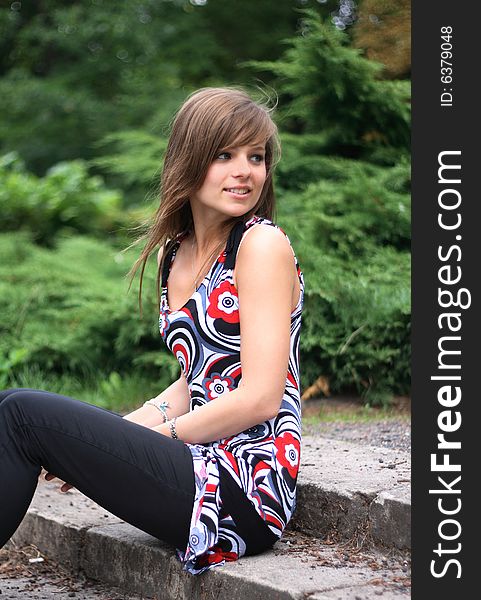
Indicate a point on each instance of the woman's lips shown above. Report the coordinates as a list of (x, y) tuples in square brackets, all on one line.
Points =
[(238, 195)]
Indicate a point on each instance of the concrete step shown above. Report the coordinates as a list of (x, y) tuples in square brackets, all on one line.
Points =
[(347, 497), (80, 535), (348, 491)]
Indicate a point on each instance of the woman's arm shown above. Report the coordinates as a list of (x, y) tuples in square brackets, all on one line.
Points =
[(178, 397), (265, 276)]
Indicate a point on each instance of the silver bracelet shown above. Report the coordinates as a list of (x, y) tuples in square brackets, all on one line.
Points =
[(173, 431), (162, 405)]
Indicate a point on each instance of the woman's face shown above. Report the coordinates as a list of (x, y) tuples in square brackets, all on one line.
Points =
[(233, 183)]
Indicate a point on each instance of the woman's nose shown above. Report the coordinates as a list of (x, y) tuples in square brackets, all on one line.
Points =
[(241, 166)]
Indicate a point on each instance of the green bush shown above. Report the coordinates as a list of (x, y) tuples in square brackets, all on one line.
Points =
[(66, 200), (328, 87), (352, 240), (69, 309), (133, 160)]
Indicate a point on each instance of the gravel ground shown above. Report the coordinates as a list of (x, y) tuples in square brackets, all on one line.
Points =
[(46, 580), (48, 588), (388, 433), (345, 418)]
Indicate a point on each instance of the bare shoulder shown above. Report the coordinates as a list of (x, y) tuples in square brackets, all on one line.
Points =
[(264, 246), (267, 242)]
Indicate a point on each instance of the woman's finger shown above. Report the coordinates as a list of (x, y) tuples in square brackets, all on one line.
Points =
[(65, 486)]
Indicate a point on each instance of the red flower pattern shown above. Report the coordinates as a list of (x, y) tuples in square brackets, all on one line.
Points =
[(224, 303), (215, 555), (288, 452), (217, 385)]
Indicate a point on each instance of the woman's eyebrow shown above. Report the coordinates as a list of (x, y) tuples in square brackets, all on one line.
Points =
[(250, 146)]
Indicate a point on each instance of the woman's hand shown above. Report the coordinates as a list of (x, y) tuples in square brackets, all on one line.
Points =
[(64, 488), (176, 395)]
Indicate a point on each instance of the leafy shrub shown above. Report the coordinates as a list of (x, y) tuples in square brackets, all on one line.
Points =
[(66, 200), (134, 161), (352, 241), (69, 309), (304, 161), (328, 87)]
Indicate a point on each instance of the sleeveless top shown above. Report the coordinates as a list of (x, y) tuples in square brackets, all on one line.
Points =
[(204, 336)]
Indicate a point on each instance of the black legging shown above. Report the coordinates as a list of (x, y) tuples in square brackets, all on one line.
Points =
[(143, 477), (139, 475)]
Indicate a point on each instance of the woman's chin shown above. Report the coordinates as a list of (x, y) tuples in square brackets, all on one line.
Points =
[(239, 209)]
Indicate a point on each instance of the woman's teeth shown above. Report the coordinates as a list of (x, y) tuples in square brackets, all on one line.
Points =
[(238, 190)]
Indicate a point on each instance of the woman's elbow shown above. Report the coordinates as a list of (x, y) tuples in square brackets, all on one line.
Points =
[(269, 406), (262, 404)]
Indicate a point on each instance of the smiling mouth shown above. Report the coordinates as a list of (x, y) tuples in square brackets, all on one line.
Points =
[(240, 191)]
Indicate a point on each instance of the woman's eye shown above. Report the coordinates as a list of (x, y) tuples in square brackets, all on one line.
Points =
[(257, 158)]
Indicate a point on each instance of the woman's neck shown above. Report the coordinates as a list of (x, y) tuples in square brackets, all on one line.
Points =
[(207, 234)]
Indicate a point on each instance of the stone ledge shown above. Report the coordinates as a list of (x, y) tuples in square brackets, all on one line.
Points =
[(344, 491)]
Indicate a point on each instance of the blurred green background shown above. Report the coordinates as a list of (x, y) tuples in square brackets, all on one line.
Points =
[(87, 90)]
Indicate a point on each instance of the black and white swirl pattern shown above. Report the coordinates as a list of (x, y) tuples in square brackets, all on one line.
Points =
[(263, 460)]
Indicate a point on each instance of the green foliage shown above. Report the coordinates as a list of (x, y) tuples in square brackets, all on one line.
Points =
[(328, 87), (108, 390), (70, 310), (230, 32), (351, 236), (8, 362), (125, 392), (45, 122), (350, 229), (66, 200), (134, 162), (356, 327), (74, 72), (355, 217), (306, 159)]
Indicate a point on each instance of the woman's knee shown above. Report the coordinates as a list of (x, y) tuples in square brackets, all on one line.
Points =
[(18, 402), (10, 409), (10, 400), (6, 393)]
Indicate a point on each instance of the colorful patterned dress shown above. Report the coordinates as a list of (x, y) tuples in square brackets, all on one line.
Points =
[(204, 335)]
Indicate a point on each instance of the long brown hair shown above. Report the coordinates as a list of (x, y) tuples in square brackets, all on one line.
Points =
[(210, 120)]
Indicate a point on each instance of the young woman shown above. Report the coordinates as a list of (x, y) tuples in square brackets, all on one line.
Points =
[(209, 465)]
